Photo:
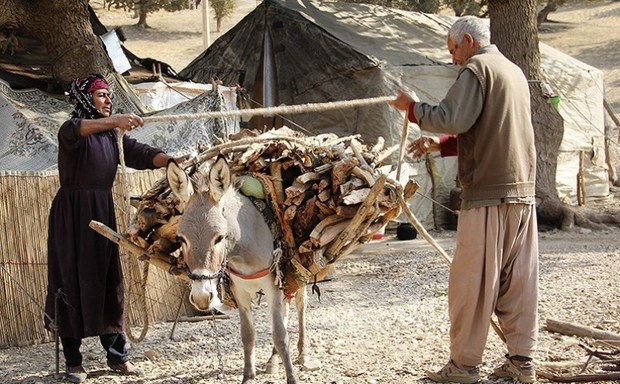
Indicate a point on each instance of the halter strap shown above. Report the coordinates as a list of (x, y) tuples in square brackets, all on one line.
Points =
[(251, 276)]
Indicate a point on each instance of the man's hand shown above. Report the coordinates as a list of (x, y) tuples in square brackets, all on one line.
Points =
[(402, 101), (424, 145)]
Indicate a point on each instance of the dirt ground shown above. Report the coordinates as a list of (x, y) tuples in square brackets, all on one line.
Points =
[(383, 318)]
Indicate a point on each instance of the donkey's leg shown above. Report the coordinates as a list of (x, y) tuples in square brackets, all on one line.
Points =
[(280, 333), (274, 359), (248, 335), (301, 304)]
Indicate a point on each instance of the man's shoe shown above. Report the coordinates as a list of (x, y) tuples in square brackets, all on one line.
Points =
[(450, 373), (524, 373), (125, 368), (76, 374)]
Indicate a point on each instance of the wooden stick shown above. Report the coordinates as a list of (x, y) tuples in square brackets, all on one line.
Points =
[(580, 378), (580, 181), (194, 319), (159, 260), (403, 142), (569, 329), (362, 213)]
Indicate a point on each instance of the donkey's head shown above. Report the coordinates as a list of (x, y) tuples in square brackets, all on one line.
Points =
[(206, 231)]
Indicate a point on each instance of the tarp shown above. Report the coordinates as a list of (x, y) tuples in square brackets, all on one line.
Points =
[(329, 51)]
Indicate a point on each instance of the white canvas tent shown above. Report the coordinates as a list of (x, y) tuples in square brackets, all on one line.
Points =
[(294, 52)]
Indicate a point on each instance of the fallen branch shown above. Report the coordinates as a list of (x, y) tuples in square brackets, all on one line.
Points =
[(580, 378), (570, 329)]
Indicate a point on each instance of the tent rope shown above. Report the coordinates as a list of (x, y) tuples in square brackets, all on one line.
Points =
[(284, 109)]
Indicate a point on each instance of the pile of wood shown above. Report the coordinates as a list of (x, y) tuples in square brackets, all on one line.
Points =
[(325, 191)]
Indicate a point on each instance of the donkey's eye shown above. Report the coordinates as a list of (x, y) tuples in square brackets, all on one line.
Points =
[(184, 243), (218, 239)]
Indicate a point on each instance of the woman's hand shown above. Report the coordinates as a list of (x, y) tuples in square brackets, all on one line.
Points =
[(128, 121)]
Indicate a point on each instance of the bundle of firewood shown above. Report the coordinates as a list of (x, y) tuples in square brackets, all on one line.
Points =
[(325, 191)]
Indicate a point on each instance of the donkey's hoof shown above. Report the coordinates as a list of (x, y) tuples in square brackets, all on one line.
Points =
[(272, 367)]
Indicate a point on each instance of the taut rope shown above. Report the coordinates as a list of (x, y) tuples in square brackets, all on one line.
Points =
[(284, 109)]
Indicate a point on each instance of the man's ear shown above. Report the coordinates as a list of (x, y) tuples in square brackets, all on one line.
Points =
[(469, 39)]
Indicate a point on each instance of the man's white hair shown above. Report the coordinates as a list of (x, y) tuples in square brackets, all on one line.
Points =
[(478, 29)]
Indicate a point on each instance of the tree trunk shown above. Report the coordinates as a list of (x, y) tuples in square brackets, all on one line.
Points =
[(64, 29), (514, 31), (552, 6)]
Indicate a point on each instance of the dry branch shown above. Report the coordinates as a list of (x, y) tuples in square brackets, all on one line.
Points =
[(580, 378), (571, 329)]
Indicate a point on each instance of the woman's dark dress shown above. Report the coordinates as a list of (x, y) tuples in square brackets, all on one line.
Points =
[(81, 262)]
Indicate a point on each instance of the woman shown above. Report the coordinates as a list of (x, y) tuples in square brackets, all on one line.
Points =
[(83, 266)]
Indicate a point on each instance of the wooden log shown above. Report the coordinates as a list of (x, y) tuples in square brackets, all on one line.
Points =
[(169, 229), (341, 171), (352, 232), (325, 195), (305, 219), (366, 176), (410, 189), (330, 233), (318, 229), (301, 199), (350, 185), (324, 209), (163, 261), (275, 168), (195, 319), (572, 329), (588, 378), (356, 196), (295, 190), (347, 210), (308, 176)]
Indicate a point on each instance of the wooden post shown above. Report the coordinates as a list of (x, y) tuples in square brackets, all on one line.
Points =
[(580, 182), (612, 115)]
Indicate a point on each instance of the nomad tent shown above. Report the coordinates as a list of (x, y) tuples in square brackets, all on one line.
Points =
[(295, 52)]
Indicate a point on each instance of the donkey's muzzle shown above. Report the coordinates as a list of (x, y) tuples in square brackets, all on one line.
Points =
[(203, 295)]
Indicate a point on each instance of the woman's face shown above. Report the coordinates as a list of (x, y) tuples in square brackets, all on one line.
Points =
[(102, 102)]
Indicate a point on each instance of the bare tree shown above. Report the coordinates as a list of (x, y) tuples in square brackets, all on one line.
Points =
[(63, 27), (514, 31)]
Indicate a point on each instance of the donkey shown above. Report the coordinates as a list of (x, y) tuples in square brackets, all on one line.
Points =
[(222, 232)]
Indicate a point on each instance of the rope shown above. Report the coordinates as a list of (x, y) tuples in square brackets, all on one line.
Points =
[(285, 109), (145, 272)]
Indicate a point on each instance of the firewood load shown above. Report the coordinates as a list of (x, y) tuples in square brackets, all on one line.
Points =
[(326, 193)]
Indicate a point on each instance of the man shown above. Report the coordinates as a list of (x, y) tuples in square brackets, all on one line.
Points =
[(82, 265), (495, 266)]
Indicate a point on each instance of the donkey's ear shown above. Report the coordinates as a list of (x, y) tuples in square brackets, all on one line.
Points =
[(179, 182), (219, 179)]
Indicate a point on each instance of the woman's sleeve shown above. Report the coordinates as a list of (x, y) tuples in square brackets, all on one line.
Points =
[(69, 134), (138, 155)]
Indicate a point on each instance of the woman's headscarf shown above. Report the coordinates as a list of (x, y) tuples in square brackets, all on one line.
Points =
[(80, 95)]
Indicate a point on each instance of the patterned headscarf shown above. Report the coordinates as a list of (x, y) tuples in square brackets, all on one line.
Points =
[(80, 95)]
